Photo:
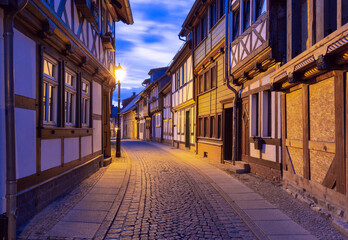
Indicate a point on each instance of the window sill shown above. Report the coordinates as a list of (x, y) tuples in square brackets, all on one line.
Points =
[(55, 132)]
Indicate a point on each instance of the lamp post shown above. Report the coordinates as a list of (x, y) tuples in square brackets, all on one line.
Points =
[(119, 73)]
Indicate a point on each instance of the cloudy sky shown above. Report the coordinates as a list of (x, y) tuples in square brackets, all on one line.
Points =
[(151, 42)]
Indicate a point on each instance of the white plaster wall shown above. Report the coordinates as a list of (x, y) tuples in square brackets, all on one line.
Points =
[(86, 146), (2, 122), (71, 149), (97, 98), (97, 135), (50, 153), (25, 65), (25, 125), (278, 95), (254, 152), (269, 152)]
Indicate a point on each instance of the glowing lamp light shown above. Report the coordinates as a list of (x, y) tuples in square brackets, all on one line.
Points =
[(120, 73)]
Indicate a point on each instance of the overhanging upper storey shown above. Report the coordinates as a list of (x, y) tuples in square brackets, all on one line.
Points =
[(120, 11)]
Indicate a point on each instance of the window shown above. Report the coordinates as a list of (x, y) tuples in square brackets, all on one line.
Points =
[(206, 127), (212, 127), (246, 14), (201, 83), (235, 24), (201, 128), (177, 79), (203, 27), (70, 97), (49, 88), (260, 8), (213, 77), (344, 11), (207, 80), (255, 114), (85, 102), (219, 127), (299, 27), (183, 74), (266, 114), (221, 8), (330, 16), (213, 14)]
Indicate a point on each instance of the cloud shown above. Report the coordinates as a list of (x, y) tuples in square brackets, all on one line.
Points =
[(153, 39)]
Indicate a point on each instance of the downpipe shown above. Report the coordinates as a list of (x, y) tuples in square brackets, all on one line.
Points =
[(11, 180), (227, 76)]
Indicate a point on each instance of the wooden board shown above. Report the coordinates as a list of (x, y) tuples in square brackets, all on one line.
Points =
[(294, 118), (319, 164), (322, 111)]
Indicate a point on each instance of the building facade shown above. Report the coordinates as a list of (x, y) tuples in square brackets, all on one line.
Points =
[(313, 102), (129, 124), (64, 64), (183, 102), (165, 96)]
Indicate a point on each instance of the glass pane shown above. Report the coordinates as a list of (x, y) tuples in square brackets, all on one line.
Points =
[(66, 105), (213, 77), (48, 68), (260, 8), (235, 33), (71, 108), (246, 15), (44, 101), (50, 103)]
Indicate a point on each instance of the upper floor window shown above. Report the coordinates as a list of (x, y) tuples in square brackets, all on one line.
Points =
[(208, 79), (344, 11), (235, 24), (85, 102), (213, 14), (203, 27), (260, 8), (177, 78), (70, 97), (246, 14), (221, 8), (183, 68), (49, 94)]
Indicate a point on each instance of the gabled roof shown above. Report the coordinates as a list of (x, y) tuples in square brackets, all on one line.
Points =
[(131, 106)]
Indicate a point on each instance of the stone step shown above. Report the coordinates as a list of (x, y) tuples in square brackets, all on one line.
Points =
[(239, 167)]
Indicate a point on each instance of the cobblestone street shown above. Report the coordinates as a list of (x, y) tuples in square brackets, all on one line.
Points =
[(157, 192), (165, 199)]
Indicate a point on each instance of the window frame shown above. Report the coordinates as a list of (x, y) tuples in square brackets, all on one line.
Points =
[(70, 107), (52, 81), (85, 111)]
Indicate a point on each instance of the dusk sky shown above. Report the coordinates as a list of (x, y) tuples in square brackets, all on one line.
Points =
[(151, 42)]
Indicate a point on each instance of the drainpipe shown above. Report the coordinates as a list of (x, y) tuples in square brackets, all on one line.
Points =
[(227, 75), (11, 180)]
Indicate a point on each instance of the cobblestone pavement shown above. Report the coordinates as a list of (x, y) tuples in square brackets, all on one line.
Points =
[(167, 200)]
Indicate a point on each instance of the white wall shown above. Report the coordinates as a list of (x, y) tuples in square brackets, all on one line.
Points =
[(97, 98), (71, 149), (2, 123), (50, 153), (25, 65), (25, 125), (86, 146), (97, 135)]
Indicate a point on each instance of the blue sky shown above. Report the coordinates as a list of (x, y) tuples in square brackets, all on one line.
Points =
[(151, 42)]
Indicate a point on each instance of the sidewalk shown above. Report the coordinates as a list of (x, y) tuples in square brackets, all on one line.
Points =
[(263, 218), (93, 214)]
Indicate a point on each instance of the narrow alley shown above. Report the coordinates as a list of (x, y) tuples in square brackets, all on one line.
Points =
[(157, 192)]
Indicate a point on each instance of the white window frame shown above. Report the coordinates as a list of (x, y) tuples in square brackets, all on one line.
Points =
[(85, 103), (70, 90), (53, 82)]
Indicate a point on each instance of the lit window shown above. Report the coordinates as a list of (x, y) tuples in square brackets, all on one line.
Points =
[(49, 91), (70, 97), (85, 102)]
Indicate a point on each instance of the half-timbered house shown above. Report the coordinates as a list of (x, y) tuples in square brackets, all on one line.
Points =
[(129, 125), (204, 28), (64, 64), (257, 46), (314, 107), (183, 103), (165, 96)]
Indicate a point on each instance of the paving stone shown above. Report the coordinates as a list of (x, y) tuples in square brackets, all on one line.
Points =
[(74, 229)]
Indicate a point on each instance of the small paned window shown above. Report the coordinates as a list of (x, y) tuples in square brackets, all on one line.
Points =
[(49, 91), (213, 77), (235, 24), (213, 14), (85, 102), (221, 8), (246, 14), (70, 97)]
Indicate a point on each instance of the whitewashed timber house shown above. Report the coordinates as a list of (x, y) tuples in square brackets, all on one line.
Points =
[(64, 64)]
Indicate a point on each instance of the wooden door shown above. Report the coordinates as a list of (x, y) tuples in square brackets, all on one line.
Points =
[(245, 129), (187, 130), (228, 133), (106, 124)]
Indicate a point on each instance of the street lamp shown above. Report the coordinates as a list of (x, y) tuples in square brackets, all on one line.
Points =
[(120, 73)]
